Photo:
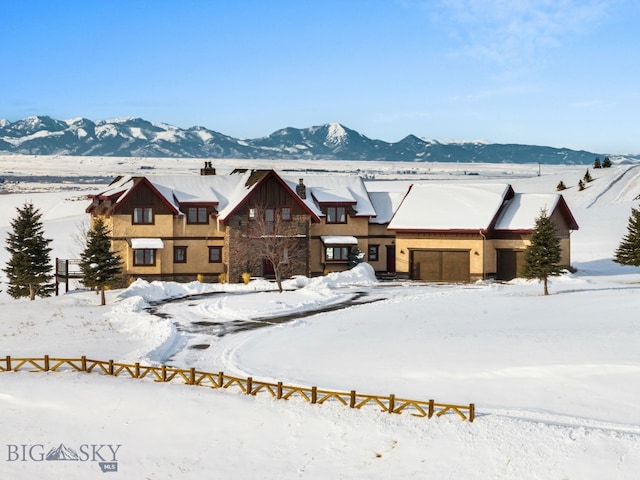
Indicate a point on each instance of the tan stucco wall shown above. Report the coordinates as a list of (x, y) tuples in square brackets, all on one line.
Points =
[(356, 226), (379, 235), (174, 231)]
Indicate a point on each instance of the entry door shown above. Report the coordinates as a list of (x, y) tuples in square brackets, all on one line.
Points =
[(391, 258), (509, 264)]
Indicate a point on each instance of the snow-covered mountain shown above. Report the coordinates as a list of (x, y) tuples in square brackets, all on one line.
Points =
[(135, 137)]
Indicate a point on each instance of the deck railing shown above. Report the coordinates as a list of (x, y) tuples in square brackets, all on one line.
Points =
[(249, 385)]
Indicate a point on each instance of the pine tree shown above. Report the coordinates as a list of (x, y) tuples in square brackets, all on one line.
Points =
[(596, 163), (29, 268), (98, 263), (561, 186), (542, 256), (580, 185), (628, 252), (355, 256), (587, 177), (606, 163)]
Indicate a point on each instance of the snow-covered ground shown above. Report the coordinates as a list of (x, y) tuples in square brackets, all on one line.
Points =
[(555, 380)]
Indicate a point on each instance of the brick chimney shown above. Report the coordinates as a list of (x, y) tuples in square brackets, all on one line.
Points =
[(301, 189), (208, 169)]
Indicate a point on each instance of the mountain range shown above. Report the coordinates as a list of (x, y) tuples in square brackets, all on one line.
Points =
[(136, 137)]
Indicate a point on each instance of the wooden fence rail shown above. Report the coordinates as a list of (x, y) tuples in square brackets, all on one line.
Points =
[(249, 386)]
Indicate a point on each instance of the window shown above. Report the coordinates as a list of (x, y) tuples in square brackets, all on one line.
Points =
[(286, 214), (142, 215), (144, 256), (179, 254), (215, 254), (252, 213), (197, 215), (337, 254), (336, 215), (373, 253), (269, 220)]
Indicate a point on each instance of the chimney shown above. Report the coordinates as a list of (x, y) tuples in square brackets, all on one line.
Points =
[(301, 189), (208, 169)]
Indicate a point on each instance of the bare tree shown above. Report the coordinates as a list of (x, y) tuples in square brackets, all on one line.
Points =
[(268, 236)]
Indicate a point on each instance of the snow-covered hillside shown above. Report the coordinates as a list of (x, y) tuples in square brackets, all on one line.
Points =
[(555, 380)]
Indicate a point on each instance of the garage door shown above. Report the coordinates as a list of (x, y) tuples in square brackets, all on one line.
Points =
[(440, 265), (509, 263)]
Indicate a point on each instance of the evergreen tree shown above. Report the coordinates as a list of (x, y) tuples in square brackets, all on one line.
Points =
[(587, 177), (542, 256), (606, 163), (29, 268), (580, 186), (561, 186), (355, 256), (628, 252), (98, 263), (596, 163)]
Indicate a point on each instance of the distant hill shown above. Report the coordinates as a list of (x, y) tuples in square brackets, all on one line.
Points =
[(135, 137)]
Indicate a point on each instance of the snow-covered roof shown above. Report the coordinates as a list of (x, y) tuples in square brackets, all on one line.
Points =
[(147, 243), (385, 203), (225, 191), (521, 211), (449, 207), (349, 189), (339, 240)]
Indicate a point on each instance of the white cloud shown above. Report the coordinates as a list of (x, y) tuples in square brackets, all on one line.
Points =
[(514, 31)]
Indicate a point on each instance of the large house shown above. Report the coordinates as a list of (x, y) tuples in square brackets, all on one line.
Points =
[(183, 227)]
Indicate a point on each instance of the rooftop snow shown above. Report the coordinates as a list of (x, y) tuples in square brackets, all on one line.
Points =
[(521, 211), (334, 189), (339, 240), (449, 207)]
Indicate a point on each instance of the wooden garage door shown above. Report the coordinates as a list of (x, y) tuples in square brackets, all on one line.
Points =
[(440, 265), (509, 263)]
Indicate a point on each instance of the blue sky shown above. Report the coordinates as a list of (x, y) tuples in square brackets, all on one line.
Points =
[(562, 73)]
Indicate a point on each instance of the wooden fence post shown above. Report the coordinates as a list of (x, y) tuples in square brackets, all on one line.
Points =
[(220, 380), (352, 399), (431, 408), (249, 385), (392, 403), (136, 370), (163, 370), (192, 376), (8, 360), (314, 394), (46, 363), (110, 367), (279, 391), (472, 411), (83, 363)]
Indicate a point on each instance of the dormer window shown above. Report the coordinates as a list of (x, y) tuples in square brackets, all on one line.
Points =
[(198, 215), (336, 215)]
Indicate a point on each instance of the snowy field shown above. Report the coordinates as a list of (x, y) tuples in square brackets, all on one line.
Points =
[(555, 380)]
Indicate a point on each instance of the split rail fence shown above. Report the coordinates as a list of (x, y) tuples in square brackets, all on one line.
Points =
[(249, 386)]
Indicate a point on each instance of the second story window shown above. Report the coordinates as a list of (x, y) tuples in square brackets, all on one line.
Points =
[(142, 215), (336, 215), (197, 215), (286, 214)]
